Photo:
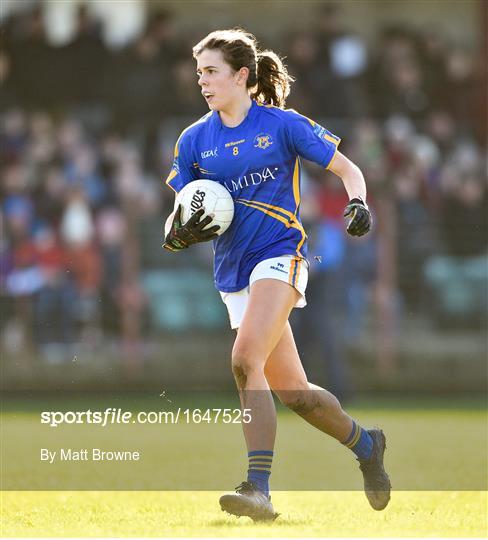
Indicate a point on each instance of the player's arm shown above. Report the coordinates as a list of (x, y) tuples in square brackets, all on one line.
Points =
[(315, 143), (357, 210), (180, 236)]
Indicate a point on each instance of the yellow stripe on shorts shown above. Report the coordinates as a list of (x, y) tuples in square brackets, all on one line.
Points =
[(299, 265), (292, 271)]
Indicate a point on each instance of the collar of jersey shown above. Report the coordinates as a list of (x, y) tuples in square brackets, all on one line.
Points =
[(250, 115)]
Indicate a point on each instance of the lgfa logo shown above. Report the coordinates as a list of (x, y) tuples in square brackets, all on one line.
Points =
[(209, 153), (263, 140)]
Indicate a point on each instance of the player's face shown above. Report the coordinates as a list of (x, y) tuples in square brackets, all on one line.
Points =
[(221, 86)]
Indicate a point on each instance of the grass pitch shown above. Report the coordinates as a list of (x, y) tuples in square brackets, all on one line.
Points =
[(197, 514), (440, 445)]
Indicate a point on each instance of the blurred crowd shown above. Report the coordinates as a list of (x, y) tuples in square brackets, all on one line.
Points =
[(86, 140)]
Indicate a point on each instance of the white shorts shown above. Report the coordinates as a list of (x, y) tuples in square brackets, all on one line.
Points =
[(287, 268)]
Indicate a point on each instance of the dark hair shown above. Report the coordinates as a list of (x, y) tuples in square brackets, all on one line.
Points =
[(268, 77)]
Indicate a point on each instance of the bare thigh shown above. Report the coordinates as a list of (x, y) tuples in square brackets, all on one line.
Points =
[(269, 305)]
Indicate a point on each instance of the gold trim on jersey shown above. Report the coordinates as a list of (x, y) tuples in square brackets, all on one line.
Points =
[(296, 185), (171, 175), (176, 153), (284, 211), (279, 217), (331, 138), (328, 168), (271, 210), (266, 105)]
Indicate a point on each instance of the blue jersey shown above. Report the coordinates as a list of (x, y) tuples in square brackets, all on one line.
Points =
[(258, 162)]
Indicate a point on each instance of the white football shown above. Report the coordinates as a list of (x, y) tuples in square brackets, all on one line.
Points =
[(212, 197)]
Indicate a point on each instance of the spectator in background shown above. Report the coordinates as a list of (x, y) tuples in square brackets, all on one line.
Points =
[(328, 64), (70, 136), (55, 303), (309, 75), (83, 263), (457, 277), (35, 64), (462, 94), (142, 88), (360, 274), (368, 149), (415, 238), (393, 76), (439, 126), (25, 278), (186, 96), (50, 193), (432, 52), (405, 90), (112, 229), (132, 301), (162, 31), (42, 141), (82, 171), (14, 137), (6, 267), (463, 218), (84, 63), (9, 98)]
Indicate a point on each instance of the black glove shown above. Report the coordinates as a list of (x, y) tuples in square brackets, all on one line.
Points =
[(360, 222), (182, 236)]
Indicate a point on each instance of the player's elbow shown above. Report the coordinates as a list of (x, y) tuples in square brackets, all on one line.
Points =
[(344, 167), (351, 170)]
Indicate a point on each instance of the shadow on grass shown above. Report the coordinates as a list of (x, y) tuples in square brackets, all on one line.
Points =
[(248, 522)]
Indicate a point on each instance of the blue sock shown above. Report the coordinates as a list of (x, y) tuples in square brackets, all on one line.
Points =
[(260, 469), (360, 442)]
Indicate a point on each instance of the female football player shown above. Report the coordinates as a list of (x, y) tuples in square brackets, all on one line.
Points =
[(249, 143)]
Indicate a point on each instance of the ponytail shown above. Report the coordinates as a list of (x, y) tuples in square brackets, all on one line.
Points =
[(273, 81)]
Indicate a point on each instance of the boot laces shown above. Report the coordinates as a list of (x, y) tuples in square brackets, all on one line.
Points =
[(245, 488)]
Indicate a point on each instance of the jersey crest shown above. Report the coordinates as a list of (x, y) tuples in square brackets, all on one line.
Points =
[(263, 140)]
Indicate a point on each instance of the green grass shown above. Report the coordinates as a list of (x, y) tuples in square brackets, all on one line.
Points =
[(428, 450), (436, 457), (303, 514)]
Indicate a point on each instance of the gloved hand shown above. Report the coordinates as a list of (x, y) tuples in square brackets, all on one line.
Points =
[(182, 236), (360, 217)]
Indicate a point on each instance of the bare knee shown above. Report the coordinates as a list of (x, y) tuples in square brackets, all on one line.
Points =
[(245, 360)]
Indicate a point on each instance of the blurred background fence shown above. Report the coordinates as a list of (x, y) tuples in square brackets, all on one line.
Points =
[(94, 95)]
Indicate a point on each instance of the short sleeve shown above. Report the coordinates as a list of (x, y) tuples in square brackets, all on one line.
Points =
[(310, 140), (182, 172)]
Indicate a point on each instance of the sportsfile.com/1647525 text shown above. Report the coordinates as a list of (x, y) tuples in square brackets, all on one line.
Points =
[(113, 415)]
